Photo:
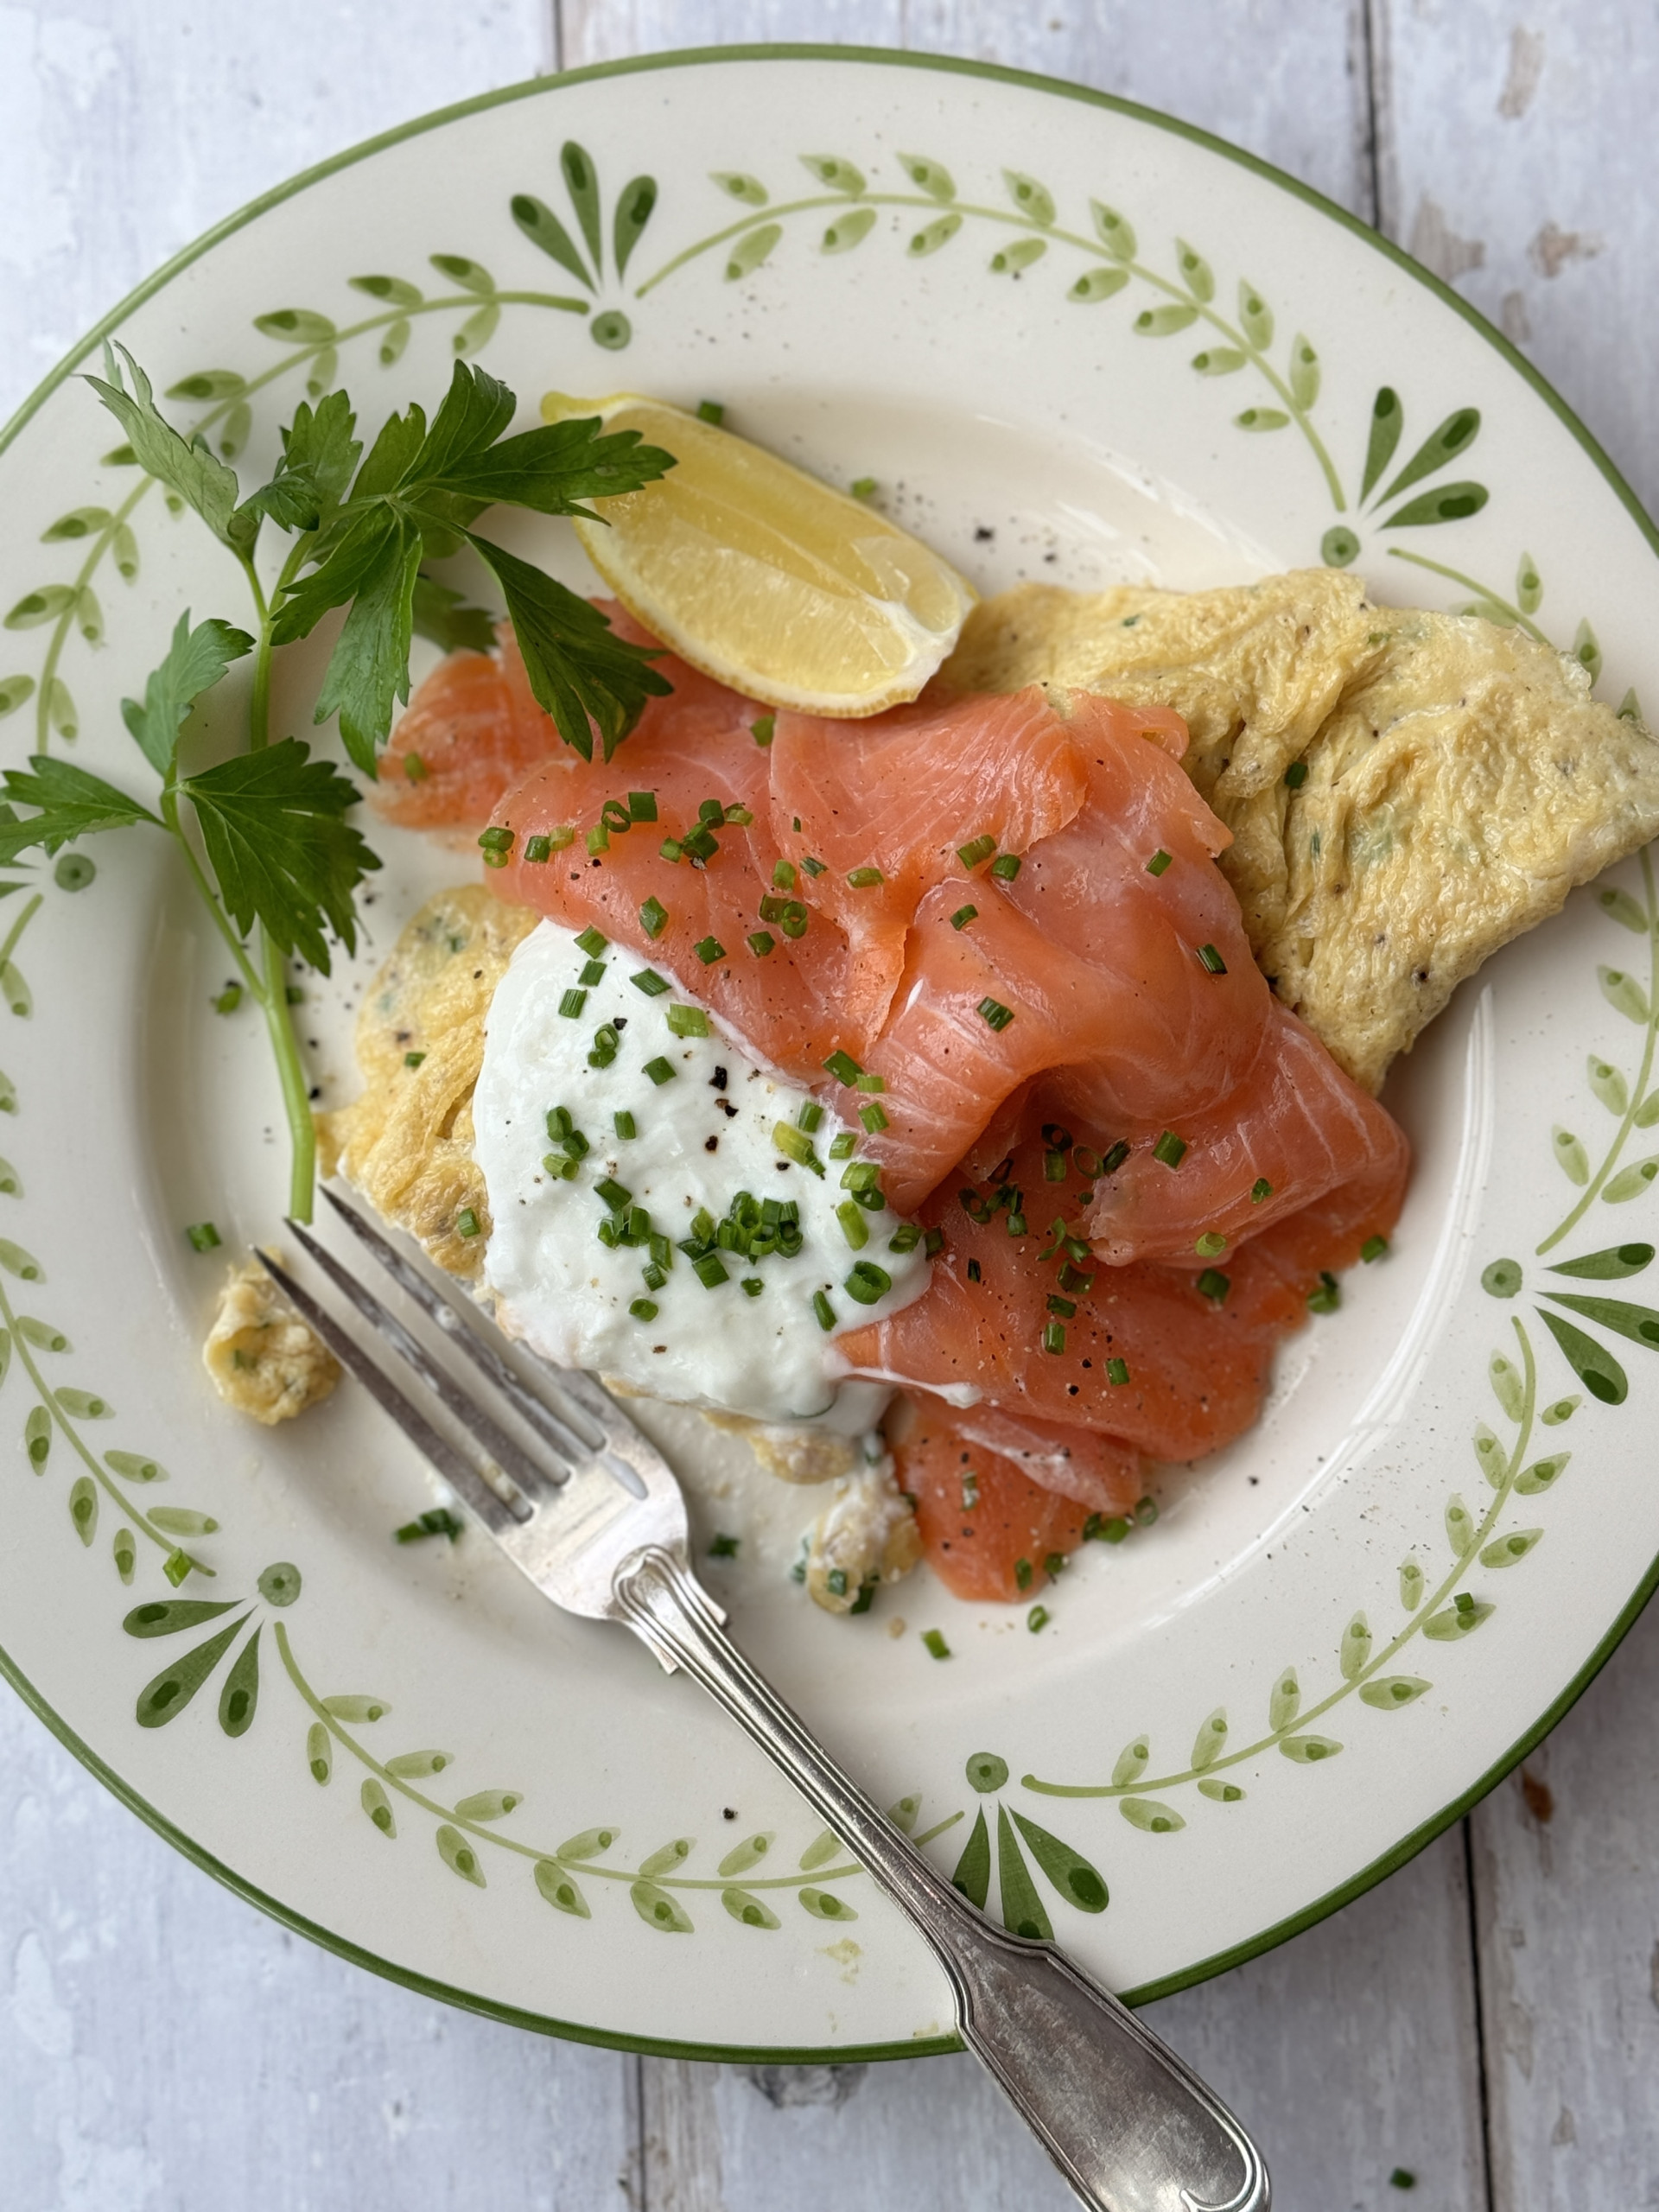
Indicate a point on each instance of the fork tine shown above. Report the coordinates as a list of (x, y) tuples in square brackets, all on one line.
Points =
[(457, 1470), (433, 1302), (510, 1457)]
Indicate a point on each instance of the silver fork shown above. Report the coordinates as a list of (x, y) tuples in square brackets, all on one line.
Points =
[(599, 1525)]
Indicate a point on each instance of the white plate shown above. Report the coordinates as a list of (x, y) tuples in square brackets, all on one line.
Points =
[(923, 272)]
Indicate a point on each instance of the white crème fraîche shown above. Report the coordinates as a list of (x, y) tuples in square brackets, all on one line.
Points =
[(704, 1109)]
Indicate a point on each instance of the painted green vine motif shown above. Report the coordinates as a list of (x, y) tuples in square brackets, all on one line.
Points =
[(631, 213), (167, 1693), (1517, 613), (312, 341), (1072, 1876), (1381, 483), (655, 1885), (1444, 1614)]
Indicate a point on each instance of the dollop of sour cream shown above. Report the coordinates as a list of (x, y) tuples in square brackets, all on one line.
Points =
[(575, 1051)]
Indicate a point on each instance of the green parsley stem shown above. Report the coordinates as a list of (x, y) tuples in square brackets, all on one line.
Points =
[(296, 1092)]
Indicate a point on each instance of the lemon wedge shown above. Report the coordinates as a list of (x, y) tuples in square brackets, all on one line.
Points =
[(763, 577)]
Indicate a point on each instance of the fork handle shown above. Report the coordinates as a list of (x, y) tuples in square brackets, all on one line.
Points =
[(1130, 2126)]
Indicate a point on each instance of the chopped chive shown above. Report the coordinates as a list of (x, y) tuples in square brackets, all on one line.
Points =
[(1159, 862), (1145, 1511), (1296, 774), (761, 730), (560, 1124), (700, 842), (560, 835), (1086, 1161), (1054, 1336), (841, 1147), (1073, 1281), (1215, 1285), (537, 848), (783, 875), (843, 1067), (642, 806), (836, 1581), (739, 815), (293, 995), (1402, 2178), (659, 1070), (560, 1166), (793, 919), (813, 867), (1115, 1158), (592, 942), (875, 1084), (651, 983), (625, 1124), (933, 1639), (413, 1059), (974, 1274), (712, 410), (933, 1243), (978, 849), (865, 879), (851, 1217), (1260, 1189), (724, 1548), (862, 1175), (761, 943), (229, 999), (496, 839), (1018, 1225), (709, 1271), (963, 915), (437, 1521), (1023, 1573), (1113, 1530), (993, 1011), (825, 1310), (467, 1222), (1118, 1370), (415, 768), (905, 1238), (606, 1044), (1212, 960), (686, 1021), (1170, 1149), (709, 950), (671, 849), (1211, 1245), (1327, 1296), (712, 810), (653, 919), (1054, 1564), (1063, 1307), (1053, 1167), (203, 1236), (1373, 1249), (810, 1117), (593, 972), (751, 1286), (616, 1195), (571, 1004), (1006, 866), (874, 1120), (643, 1309), (862, 487), (599, 838), (1038, 1619), (867, 1282), (795, 1145)]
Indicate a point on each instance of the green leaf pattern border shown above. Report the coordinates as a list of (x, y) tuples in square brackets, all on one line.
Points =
[(1478, 1542)]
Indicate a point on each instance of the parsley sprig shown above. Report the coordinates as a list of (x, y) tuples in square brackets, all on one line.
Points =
[(264, 834)]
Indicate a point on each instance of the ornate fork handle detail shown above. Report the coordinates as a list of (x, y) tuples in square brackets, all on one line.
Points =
[(1130, 2127)]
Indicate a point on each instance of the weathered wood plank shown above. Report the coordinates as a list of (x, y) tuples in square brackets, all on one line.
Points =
[(608, 30), (1515, 159), (125, 132)]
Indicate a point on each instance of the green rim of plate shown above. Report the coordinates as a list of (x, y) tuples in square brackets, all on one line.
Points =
[(1409, 1845)]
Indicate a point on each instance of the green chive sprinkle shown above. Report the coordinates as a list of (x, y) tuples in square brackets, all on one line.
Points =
[(1402, 2178), (841, 1147), (593, 972), (862, 487), (1074, 1282), (1063, 1307), (415, 768), (709, 950), (560, 835), (1006, 866), (413, 1059), (1215, 1285), (437, 1521), (1038, 1619), (293, 995), (851, 1217), (592, 942), (1211, 1245), (905, 1238), (874, 1120), (642, 806), (862, 1175), (783, 875), (1023, 1573), (1118, 1370), (963, 915), (643, 1309), (536, 850), (1145, 1511), (1159, 862), (810, 1117), (651, 983), (1373, 1249), (1212, 960), (740, 816), (1296, 774), (793, 920), (843, 1067), (616, 1195), (825, 1310), (229, 999), (599, 839), (724, 1548), (671, 851), (994, 1011), (813, 867), (761, 943), (571, 1004), (1328, 1295), (203, 1236), (496, 839), (560, 1166), (712, 410), (874, 1084), (1053, 1167), (751, 1286), (795, 1145), (1115, 1158), (1170, 1149), (467, 1222), (933, 1243), (560, 1126), (653, 919), (1054, 1336), (978, 849), (933, 1638), (761, 730), (607, 1043), (709, 1271), (625, 1124), (176, 1566), (1113, 1530), (686, 1020), (867, 1282), (865, 879), (1260, 1189), (659, 1070), (974, 1274)]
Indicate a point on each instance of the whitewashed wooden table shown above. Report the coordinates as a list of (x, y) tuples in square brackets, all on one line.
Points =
[(1488, 2020)]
